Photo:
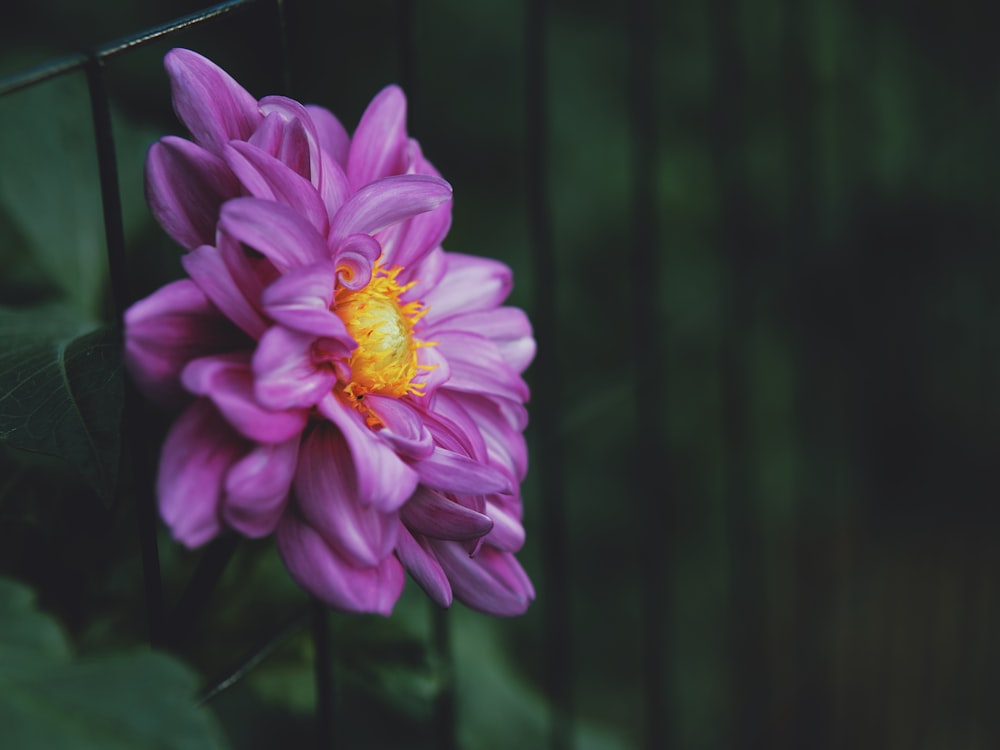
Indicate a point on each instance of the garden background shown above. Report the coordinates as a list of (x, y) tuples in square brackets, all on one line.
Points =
[(758, 239)]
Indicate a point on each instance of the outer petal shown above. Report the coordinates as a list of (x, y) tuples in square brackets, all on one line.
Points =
[(213, 106), (380, 204), (384, 481), (198, 452), (452, 472), (166, 330), (432, 514), (286, 140), (185, 187), (478, 367), (492, 582), (507, 327), (419, 560), (378, 148), (470, 284), (285, 373), (507, 533), (274, 230), (326, 486), (321, 571), (256, 488), (228, 381)]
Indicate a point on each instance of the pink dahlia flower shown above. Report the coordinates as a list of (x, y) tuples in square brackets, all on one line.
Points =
[(341, 380)]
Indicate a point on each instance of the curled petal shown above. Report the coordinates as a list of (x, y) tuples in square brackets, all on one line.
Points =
[(321, 571), (432, 514), (385, 202), (256, 488), (378, 148), (199, 450), (228, 380), (420, 562), (185, 187), (326, 486), (214, 107), (165, 331), (355, 259), (286, 375), (492, 582)]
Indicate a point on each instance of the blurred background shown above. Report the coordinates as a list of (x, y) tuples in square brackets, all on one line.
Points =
[(758, 240)]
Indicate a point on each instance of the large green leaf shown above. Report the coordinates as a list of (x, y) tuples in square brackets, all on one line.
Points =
[(61, 391), (138, 700)]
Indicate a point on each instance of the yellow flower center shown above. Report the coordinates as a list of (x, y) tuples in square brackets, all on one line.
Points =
[(385, 362)]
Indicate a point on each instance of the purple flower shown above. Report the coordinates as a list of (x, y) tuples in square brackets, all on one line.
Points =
[(341, 380)]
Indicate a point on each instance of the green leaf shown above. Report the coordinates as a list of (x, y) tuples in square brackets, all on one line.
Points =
[(139, 700), (61, 391)]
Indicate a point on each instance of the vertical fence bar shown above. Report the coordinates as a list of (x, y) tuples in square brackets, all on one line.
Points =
[(651, 470), (133, 407), (546, 386)]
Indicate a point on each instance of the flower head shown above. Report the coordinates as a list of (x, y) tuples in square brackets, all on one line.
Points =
[(343, 382)]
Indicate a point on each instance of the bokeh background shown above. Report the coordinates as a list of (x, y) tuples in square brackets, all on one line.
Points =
[(762, 509)]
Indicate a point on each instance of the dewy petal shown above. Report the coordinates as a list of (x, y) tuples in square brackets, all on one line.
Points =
[(228, 381), (285, 373), (185, 187), (321, 571), (378, 148), (266, 177), (421, 563), (214, 107), (326, 487), (331, 134), (432, 514), (469, 284), (256, 488), (380, 204), (207, 268), (301, 300), (198, 452), (452, 472), (165, 331), (384, 480), (492, 582), (287, 239)]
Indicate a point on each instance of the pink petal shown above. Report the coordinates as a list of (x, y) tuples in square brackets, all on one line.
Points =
[(452, 472), (185, 187), (286, 140), (504, 442), (470, 284), (266, 177), (378, 147), (198, 452), (421, 563), (384, 480), (165, 331), (301, 300), (507, 327), (207, 268), (324, 573), (297, 117), (287, 239), (256, 488), (404, 429), (385, 202), (355, 260), (326, 487), (331, 134), (432, 514), (286, 375), (228, 380), (492, 582), (214, 107), (478, 367), (508, 532)]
